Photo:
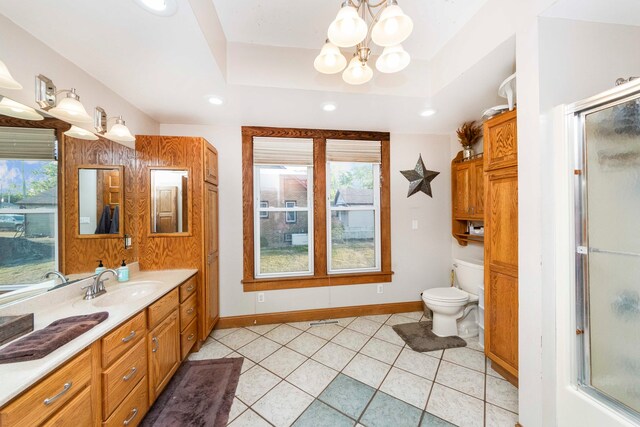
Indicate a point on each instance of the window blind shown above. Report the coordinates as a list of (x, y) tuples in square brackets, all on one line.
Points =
[(27, 143), (341, 150), (282, 151)]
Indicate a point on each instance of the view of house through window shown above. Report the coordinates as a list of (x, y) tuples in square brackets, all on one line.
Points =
[(284, 222), (354, 221), (28, 206)]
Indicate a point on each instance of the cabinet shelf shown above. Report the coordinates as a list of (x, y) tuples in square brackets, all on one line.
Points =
[(467, 197)]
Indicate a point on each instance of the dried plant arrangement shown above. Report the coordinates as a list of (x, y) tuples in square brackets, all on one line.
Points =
[(469, 133)]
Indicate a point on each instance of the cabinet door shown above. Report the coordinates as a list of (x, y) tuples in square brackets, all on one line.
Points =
[(500, 141), (164, 354), (501, 268), (210, 164), (462, 203), (210, 303), (478, 190)]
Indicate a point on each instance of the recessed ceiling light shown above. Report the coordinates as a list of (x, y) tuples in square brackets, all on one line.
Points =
[(158, 7), (215, 100), (428, 112), (329, 106)]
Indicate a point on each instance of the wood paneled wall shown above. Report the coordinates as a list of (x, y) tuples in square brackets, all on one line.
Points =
[(163, 252), (80, 254)]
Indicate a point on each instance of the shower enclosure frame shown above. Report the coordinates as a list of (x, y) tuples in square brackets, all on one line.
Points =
[(577, 113)]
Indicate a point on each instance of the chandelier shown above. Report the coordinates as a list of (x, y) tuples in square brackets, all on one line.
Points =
[(388, 27)]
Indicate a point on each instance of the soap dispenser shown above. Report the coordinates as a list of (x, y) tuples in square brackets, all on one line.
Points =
[(100, 267), (123, 272)]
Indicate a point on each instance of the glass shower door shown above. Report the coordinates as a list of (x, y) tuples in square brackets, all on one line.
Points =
[(609, 253)]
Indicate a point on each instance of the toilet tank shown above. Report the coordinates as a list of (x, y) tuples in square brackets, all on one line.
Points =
[(469, 273)]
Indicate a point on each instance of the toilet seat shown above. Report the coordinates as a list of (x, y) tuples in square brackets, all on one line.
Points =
[(446, 295)]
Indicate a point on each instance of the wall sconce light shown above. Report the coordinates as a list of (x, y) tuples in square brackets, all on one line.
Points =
[(11, 108), (6, 80), (79, 133), (69, 108), (119, 132)]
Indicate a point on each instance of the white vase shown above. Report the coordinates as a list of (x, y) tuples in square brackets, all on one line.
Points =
[(467, 152)]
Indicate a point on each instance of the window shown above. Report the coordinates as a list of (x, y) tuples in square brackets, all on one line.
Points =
[(291, 216), (28, 206), (318, 208), (264, 214)]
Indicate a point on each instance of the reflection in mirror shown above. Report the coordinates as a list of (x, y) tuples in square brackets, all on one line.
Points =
[(100, 209), (169, 201), (28, 210)]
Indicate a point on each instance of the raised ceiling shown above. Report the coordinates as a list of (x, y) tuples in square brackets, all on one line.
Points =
[(303, 24), (258, 55)]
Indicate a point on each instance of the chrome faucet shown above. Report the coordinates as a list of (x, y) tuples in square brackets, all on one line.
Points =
[(97, 288), (63, 279)]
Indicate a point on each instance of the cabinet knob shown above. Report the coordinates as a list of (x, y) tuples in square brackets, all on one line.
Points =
[(156, 343)]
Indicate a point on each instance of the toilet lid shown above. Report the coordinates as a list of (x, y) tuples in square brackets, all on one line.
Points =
[(450, 294)]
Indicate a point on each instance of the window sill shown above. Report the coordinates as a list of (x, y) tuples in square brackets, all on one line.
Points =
[(277, 283)]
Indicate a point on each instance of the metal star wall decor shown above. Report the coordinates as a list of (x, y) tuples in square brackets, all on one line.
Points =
[(420, 178)]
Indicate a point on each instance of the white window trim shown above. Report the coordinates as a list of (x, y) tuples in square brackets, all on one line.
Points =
[(377, 231), (256, 225)]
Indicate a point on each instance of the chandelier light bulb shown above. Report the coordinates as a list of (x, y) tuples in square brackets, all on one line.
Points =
[(79, 133), (348, 29), (70, 109), (119, 132), (393, 59), (357, 72), (330, 60), (393, 27)]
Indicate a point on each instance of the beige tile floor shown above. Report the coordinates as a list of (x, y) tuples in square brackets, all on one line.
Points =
[(288, 366)]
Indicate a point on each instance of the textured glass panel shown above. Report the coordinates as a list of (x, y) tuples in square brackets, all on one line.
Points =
[(351, 184), (613, 212), (284, 245), (282, 184), (352, 239)]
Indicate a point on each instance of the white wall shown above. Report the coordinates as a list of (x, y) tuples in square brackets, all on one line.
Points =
[(26, 57), (420, 258)]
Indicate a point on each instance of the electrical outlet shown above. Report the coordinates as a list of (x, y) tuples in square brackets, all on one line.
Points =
[(414, 224), (380, 288), (260, 296)]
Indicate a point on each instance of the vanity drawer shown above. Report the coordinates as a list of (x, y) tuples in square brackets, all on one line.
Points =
[(187, 312), (161, 308), (132, 410), (188, 338), (78, 412), (45, 398), (123, 338), (188, 288), (122, 377)]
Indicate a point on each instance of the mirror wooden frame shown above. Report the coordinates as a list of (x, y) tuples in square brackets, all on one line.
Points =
[(76, 183), (149, 172)]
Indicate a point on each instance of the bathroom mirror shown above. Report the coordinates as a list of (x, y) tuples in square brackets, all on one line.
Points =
[(100, 196), (170, 202)]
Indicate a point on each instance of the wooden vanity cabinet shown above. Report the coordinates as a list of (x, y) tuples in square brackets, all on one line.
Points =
[(210, 164), (163, 343), (210, 298), (188, 317), (467, 192), (501, 244)]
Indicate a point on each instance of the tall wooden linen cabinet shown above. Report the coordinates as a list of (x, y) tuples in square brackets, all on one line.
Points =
[(197, 249), (501, 243)]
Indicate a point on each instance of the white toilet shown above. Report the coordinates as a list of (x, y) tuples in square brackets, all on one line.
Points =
[(455, 310)]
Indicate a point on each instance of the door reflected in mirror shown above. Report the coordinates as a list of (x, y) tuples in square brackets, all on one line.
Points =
[(100, 195), (169, 201)]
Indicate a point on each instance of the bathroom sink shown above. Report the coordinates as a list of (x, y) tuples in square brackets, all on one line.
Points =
[(122, 293)]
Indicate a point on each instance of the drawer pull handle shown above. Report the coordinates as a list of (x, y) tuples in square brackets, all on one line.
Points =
[(129, 337), (190, 311), (190, 288), (156, 343), (134, 412), (48, 401), (190, 337), (130, 374)]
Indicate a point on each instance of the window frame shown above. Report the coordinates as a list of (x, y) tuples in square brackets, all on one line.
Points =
[(257, 223), (318, 212), (294, 219), (375, 207)]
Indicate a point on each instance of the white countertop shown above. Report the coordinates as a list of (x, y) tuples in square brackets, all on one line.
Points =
[(67, 301)]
